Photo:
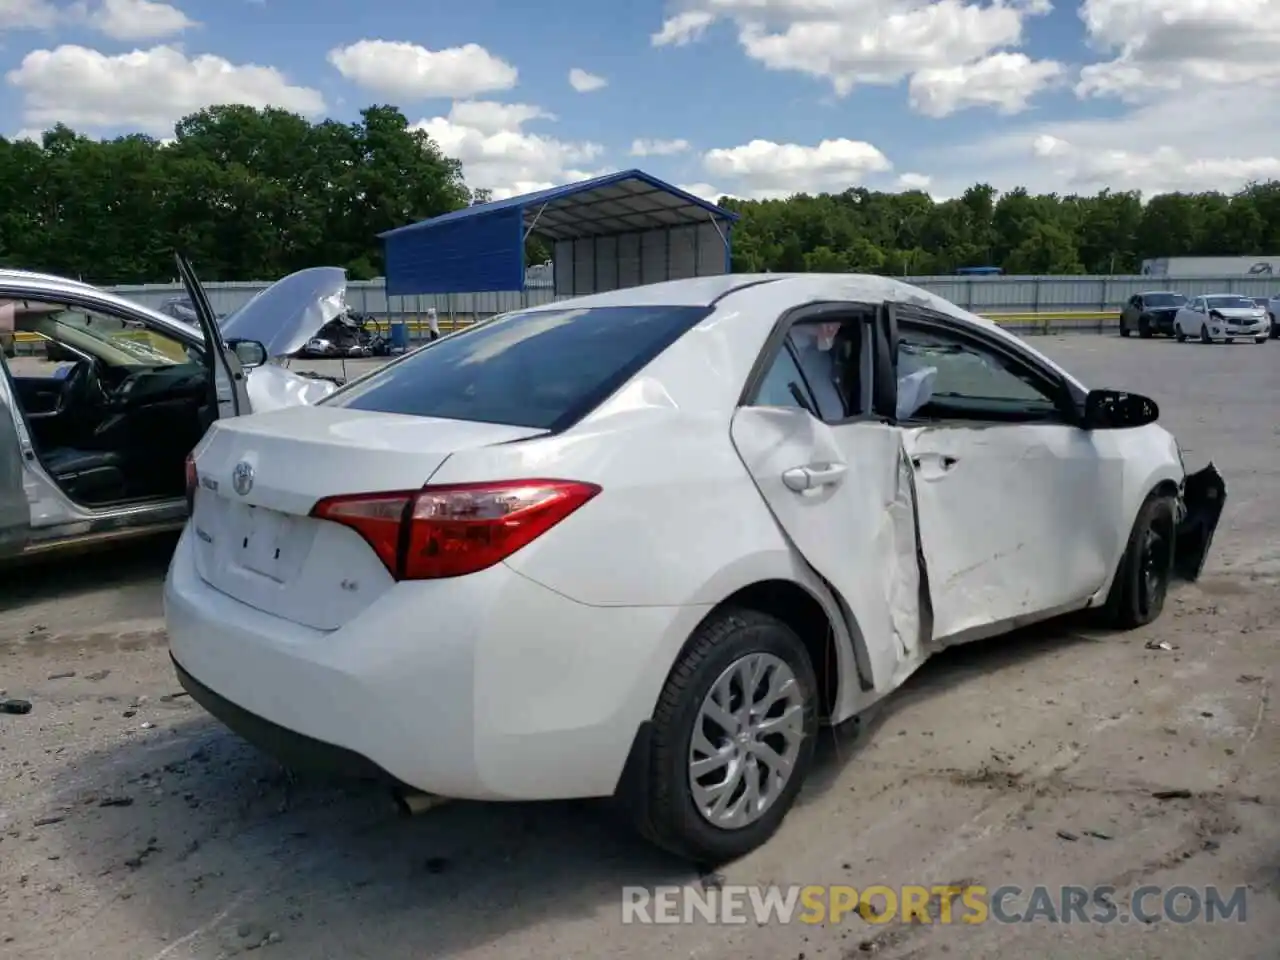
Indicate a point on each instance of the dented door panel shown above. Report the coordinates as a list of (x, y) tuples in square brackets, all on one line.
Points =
[(1016, 520), (857, 529)]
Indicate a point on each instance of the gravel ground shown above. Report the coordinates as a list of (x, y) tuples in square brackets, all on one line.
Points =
[(134, 828)]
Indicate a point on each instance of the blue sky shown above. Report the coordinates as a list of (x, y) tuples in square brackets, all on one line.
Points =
[(903, 92)]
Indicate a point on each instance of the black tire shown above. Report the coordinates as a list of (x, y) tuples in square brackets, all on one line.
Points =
[(660, 803), (1204, 333), (1142, 580), (1178, 334), (1124, 331), (1275, 326), (1144, 328)]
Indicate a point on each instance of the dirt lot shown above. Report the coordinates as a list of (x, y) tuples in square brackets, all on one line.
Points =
[(133, 828)]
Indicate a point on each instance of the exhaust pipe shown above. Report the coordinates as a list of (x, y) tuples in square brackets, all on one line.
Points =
[(411, 803)]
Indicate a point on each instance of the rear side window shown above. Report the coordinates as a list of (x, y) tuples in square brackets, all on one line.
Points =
[(544, 369)]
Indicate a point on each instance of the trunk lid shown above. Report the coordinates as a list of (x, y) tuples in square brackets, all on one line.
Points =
[(259, 477)]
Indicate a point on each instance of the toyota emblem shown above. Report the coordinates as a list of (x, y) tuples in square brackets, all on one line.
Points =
[(242, 477)]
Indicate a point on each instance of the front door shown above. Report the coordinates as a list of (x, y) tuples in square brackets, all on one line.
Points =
[(15, 512), (1014, 500), (226, 375), (837, 481)]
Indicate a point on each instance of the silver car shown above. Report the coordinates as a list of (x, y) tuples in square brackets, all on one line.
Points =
[(1222, 318), (94, 442)]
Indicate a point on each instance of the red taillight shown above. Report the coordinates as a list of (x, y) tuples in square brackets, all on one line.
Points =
[(449, 531), (193, 479)]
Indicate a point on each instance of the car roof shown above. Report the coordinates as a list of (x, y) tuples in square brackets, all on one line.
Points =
[(1167, 293), (805, 287)]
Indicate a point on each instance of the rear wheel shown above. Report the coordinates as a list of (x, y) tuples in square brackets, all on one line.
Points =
[(1142, 580), (732, 739)]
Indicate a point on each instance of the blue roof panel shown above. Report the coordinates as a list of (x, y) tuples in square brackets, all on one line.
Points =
[(569, 190)]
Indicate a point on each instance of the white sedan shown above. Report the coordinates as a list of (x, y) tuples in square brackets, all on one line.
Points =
[(1222, 318), (640, 544)]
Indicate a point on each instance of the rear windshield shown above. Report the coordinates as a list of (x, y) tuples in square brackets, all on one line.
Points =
[(1164, 299), (1231, 303), (544, 369)]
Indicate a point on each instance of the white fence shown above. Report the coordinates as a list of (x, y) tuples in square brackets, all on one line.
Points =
[(980, 294)]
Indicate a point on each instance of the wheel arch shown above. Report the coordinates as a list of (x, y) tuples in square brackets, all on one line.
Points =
[(833, 639)]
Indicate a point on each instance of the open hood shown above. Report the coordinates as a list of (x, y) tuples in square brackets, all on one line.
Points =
[(287, 314)]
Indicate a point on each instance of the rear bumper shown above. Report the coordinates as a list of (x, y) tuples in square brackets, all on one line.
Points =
[(295, 750), (1204, 495), (486, 687)]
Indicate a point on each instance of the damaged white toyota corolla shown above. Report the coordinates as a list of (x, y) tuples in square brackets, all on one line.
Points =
[(642, 543)]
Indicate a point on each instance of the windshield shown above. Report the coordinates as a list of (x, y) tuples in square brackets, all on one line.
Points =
[(1164, 299), (1230, 303), (544, 369), (113, 341)]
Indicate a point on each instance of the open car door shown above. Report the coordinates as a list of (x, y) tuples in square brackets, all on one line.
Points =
[(225, 372)]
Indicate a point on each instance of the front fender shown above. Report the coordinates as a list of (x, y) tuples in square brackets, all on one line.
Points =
[(1203, 497)]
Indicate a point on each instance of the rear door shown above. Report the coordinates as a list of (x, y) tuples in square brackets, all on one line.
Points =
[(225, 372), (1016, 503), (835, 477)]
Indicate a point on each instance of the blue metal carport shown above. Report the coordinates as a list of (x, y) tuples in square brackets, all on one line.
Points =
[(619, 230)]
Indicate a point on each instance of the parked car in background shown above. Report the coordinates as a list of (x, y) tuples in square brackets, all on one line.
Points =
[(1150, 313), (1221, 318), (93, 444), (642, 543)]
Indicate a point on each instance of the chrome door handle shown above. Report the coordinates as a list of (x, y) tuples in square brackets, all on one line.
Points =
[(814, 476)]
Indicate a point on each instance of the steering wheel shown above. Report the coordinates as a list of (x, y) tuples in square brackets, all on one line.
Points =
[(81, 387)]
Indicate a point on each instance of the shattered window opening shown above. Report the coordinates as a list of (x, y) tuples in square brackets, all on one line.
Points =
[(968, 381)]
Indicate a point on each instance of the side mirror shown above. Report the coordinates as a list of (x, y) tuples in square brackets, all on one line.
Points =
[(250, 353), (1114, 410)]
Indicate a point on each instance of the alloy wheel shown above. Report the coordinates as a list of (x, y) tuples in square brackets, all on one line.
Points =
[(746, 738)]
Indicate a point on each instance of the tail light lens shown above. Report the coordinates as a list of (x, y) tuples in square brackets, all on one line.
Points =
[(193, 480), (450, 531)]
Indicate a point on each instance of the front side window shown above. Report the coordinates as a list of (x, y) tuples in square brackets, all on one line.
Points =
[(958, 379), (536, 368), (1165, 300)]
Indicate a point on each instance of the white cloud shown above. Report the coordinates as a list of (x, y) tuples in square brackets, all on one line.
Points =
[(913, 181), (118, 19), (703, 191), (137, 19), (1197, 84), (683, 28), (27, 14), (410, 72), (146, 90), (658, 148), (498, 154), (585, 82), (1214, 138), (1164, 46), (948, 45), (1005, 81), (766, 169)]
